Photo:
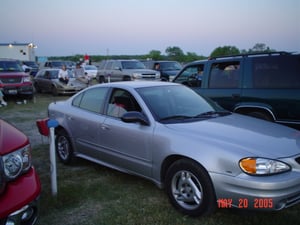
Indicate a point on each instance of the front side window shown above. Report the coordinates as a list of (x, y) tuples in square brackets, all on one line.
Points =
[(224, 75), (91, 100), (191, 76), (120, 102)]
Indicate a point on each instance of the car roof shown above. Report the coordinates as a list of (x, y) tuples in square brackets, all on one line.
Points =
[(137, 84)]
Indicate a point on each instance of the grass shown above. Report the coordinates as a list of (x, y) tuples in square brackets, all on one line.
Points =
[(91, 194)]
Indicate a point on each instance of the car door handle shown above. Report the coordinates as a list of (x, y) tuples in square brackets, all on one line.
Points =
[(104, 127)]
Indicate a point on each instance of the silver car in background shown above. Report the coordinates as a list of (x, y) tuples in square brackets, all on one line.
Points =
[(125, 70), (204, 157), (46, 80)]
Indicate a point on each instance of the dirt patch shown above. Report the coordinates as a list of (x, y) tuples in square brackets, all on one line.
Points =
[(24, 116)]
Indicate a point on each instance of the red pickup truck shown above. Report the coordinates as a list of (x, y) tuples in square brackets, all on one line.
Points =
[(15, 82), (20, 186)]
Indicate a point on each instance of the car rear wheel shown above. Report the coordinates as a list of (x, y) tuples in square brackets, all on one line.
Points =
[(63, 147), (190, 189)]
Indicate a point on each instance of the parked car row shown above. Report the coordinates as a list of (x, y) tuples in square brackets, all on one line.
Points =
[(181, 135), (23, 79)]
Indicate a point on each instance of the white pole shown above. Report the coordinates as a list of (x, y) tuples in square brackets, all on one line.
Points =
[(53, 162), (51, 125)]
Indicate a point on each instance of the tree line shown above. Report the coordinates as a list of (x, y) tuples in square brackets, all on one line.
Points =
[(176, 53)]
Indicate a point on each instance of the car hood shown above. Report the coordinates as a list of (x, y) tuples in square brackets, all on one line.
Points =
[(11, 138), (74, 83), (252, 136), (12, 74), (143, 71)]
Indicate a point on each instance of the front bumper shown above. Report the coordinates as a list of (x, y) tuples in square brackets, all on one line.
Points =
[(268, 193), (18, 90), (68, 91), (19, 202)]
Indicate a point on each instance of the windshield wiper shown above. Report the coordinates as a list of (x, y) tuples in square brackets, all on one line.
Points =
[(176, 117), (213, 114)]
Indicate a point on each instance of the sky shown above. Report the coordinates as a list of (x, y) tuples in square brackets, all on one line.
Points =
[(134, 27)]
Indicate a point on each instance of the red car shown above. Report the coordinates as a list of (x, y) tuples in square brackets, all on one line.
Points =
[(20, 186), (15, 82)]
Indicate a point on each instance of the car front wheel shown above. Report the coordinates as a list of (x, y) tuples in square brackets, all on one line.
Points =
[(63, 147), (190, 189)]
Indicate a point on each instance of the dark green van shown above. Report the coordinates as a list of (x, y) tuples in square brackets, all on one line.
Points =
[(264, 85)]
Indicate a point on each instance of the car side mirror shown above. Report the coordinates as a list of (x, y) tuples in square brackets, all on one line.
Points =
[(135, 117)]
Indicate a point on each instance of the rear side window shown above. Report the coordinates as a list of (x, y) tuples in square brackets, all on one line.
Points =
[(91, 100), (225, 75), (276, 72)]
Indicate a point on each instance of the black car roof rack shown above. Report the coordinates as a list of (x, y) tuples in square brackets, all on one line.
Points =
[(251, 54)]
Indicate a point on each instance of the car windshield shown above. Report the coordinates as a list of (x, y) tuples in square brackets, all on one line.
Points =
[(170, 66), (133, 65), (13, 66), (170, 104)]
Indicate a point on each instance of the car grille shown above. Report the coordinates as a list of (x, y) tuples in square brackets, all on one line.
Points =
[(11, 80), (148, 75)]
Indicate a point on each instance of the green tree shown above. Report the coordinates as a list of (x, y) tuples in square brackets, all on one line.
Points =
[(260, 47), (175, 53), (154, 54), (224, 51), (192, 56)]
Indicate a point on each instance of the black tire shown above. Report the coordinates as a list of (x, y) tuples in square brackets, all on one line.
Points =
[(190, 189), (101, 80), (63, 147), (126, 78)]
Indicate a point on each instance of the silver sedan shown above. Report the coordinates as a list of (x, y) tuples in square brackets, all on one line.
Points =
[(204, 157)]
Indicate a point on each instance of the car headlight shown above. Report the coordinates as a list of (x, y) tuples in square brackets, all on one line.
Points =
[(17, 162), (157, 75), (263, 166), (26, 79), (137, 76)]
